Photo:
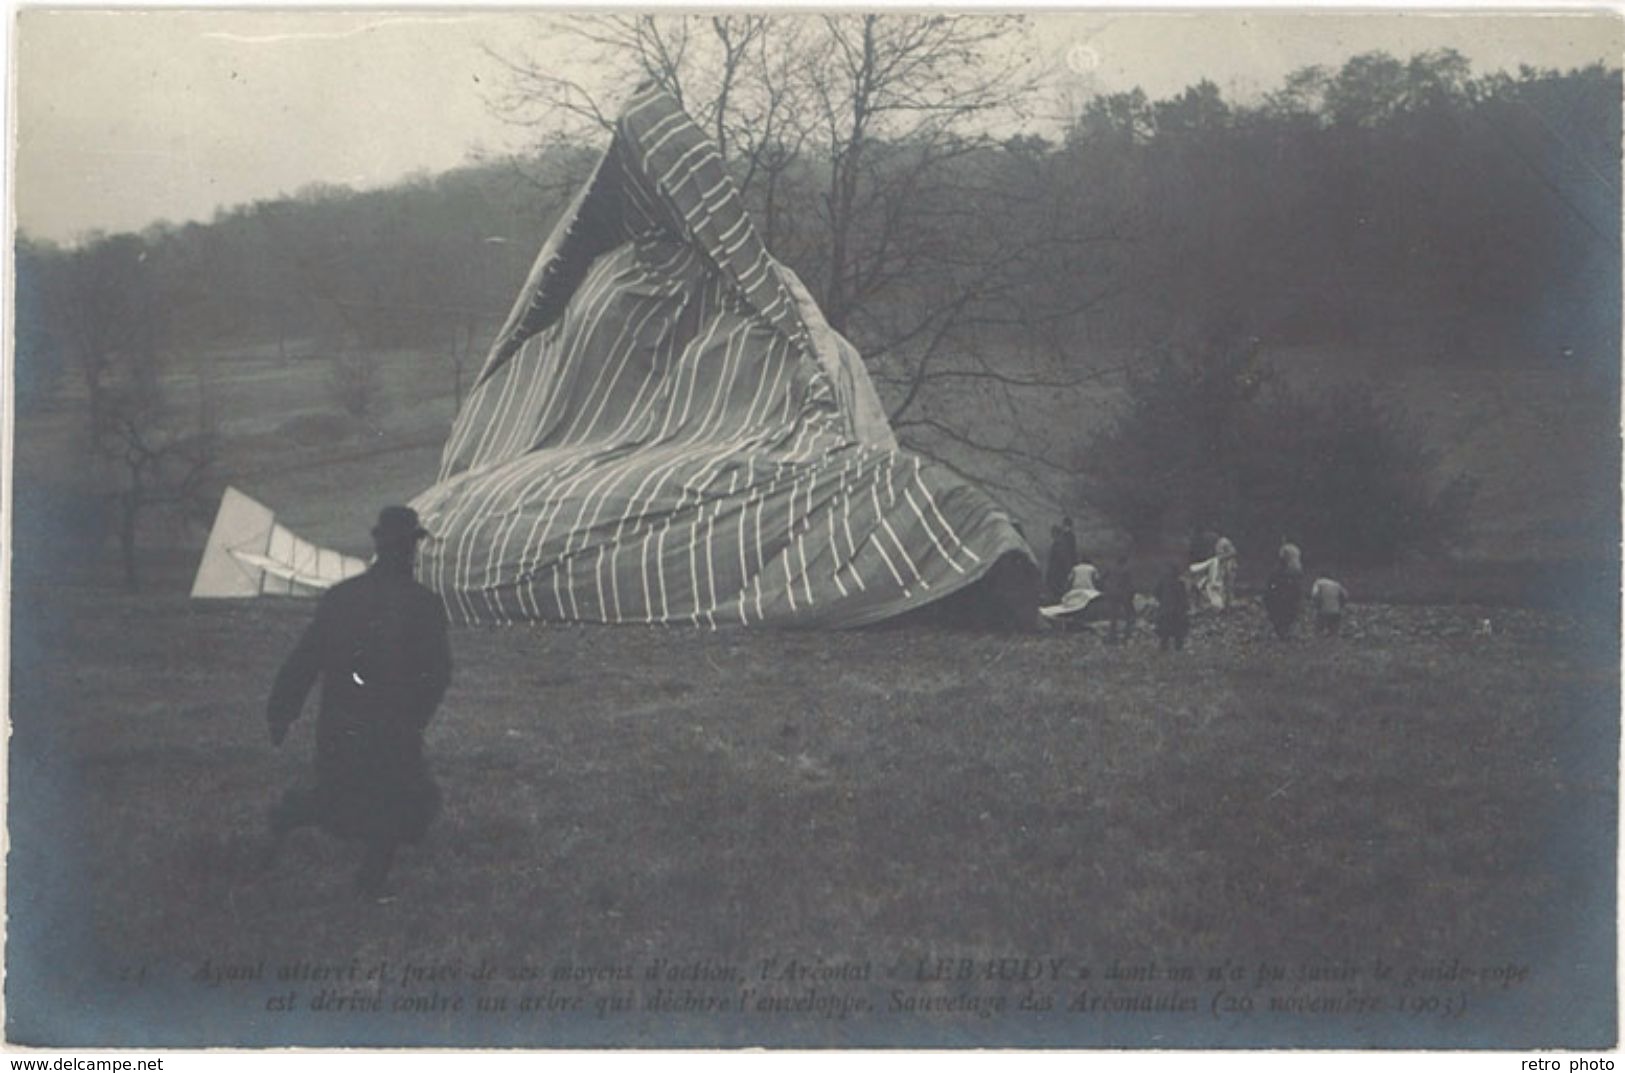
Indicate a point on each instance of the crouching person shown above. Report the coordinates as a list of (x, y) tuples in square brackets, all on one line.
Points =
[(379, 645), (1329, 599)]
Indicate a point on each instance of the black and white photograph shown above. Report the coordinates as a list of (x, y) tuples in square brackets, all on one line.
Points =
[(852, 529)]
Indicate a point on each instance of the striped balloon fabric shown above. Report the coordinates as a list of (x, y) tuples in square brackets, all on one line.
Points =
[(667, 431)]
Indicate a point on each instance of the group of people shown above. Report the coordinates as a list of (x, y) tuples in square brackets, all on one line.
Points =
[(1077, 585), (1285, 594), (1078, 589), (378, 645)]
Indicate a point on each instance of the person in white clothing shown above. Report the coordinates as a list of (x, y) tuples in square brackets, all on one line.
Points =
[(1328, 598), (1214, 578), (1082, 590)]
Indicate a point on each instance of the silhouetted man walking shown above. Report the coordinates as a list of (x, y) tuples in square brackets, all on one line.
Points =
[(379, 645)]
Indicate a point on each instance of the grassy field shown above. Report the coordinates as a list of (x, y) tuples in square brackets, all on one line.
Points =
[(895, 836), (898, 836)]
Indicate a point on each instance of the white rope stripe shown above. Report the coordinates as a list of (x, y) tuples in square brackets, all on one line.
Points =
[(932, 502), (835, 554), (926, 528)]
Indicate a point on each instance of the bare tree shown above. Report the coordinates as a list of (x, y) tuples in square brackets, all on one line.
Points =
[(874, 151), (147, 456), (726, 70), (110, 312), (357, 382), (156, 467)]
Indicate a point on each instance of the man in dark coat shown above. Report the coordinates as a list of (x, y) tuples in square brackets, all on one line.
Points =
[(1117, 593), (379, 645), (1283, 595), (1173, 609), (1063, 556)]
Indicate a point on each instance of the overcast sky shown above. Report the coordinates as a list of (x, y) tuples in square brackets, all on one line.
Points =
[(126, 117)]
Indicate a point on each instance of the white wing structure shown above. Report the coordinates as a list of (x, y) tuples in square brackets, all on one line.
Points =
[(250, 554)]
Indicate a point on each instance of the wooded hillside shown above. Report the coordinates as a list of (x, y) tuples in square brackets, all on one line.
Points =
[(997, 286)]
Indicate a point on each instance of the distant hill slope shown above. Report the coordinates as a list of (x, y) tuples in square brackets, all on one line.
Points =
[(1538, 429)]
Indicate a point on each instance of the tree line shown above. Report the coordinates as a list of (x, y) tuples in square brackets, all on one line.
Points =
[(976, 267)]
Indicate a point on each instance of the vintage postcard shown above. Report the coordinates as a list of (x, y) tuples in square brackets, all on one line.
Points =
[(778, 528)]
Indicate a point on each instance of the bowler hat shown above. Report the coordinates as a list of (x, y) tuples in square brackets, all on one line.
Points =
[(398, 525)]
